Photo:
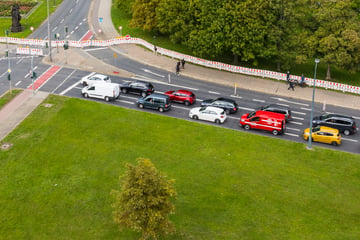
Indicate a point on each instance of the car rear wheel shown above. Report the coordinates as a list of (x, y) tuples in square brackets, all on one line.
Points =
[(217, 121), (107, 99), (187, 103), (141, 106), (195, 117), (124, 90), (334, 143), (275, 132), (227, 111), (347, 132), (86, 95), (247, 127), (143, 94), (161, 109)]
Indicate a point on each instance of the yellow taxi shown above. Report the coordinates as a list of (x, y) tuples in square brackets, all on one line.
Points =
[(324, 135)]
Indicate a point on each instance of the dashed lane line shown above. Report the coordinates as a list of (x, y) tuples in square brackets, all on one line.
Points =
[(300, 113), (299, 118), (350, 140), (258, 100), (306, 109), (217, 93), (292, 134), (293, 129)]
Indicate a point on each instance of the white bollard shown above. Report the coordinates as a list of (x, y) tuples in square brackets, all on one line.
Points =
[(324, 106), (169, 78)]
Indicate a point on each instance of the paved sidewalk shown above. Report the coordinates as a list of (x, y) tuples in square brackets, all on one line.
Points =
[(13, 113)]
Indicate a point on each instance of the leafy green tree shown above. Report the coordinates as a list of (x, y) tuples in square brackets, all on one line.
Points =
[(145, 200), (338, 34), (124, 5), (144, 14)]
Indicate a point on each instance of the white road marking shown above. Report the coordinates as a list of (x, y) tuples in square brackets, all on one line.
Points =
[(237, 118), (64, 81), (247, 109), (76, 27), (18, 83), (3, 74), (53, 30), (281, 104), (258, 100), (94, 49), (293, 129), (214, 92), (291, 134), (297, 118), (284, 100), (20, 60), (300, 113), (72, 32), (70, 10), (356, 117), (236, 96), (297, 123), (123, 101), (62, 20), (307, 109), (69, 88), (148, 71), (351, 140)]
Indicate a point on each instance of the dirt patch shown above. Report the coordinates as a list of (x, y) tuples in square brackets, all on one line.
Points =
[(48, 105)]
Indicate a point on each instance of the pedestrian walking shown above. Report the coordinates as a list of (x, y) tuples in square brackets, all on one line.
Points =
[(291, 85), (302, 82), (288, 76), (178, 68), (183, 63), (155, 50)]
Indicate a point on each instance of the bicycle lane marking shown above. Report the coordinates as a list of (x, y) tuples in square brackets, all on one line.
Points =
[(46, 76)]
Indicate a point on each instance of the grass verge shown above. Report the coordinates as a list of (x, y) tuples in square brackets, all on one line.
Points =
[(7, 97), (57, 177)]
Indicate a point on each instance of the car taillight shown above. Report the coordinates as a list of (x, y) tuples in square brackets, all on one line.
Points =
[(234, 109), (221, 116), (166, 105)]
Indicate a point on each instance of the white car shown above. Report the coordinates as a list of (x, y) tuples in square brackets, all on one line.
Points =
[(212, 114), (94, 78)]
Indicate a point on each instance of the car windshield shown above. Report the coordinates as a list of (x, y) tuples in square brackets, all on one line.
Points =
[(324, 116), (316, 129), (251, 114), (202, 109)]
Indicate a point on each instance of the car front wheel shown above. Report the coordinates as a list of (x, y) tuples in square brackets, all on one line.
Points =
[(195, 117), (86, 95), (247, 127), (141, 106)]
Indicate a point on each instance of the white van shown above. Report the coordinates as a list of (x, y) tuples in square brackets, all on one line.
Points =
[(106, 91)]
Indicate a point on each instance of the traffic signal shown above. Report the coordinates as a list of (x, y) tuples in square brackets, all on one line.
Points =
[(7, 53), (33, 75), (9, 78), (66, 45)]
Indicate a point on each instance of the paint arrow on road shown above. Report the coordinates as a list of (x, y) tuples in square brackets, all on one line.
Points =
[(148, 71), (284, 100)]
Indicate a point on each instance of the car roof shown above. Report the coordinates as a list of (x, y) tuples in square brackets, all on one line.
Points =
[(276, 106), (99, 75), (328, 129), (158, 95), (216, 109), (184, 91), (270, 114), (226, 99), (337, 115)]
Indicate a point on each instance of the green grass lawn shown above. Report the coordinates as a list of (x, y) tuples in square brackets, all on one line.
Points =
[(7, 97), (57, 177)]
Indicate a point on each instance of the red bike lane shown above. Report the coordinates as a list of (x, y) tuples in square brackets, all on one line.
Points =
[(45, 77)]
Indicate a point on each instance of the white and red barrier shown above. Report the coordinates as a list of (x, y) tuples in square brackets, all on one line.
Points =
[(172, 54)]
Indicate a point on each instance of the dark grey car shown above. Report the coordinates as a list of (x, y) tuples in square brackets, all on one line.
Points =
[(278, 109), (345, 124)]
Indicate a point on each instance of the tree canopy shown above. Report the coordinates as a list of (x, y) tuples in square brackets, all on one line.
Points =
[(145, 200), (284, 32)]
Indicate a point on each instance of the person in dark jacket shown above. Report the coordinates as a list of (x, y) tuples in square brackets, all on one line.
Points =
[(183, 63), (178, 68)]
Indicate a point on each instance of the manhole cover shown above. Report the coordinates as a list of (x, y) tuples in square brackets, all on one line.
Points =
[(6, 146), (48, 105)]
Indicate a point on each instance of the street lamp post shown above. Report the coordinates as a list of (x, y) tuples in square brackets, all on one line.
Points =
[(120, 28), (312, 105), (48, 24)]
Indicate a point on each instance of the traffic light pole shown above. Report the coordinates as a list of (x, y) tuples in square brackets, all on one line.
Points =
[(32, 73)]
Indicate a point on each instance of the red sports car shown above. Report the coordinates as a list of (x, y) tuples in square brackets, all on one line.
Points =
[(182, 96)]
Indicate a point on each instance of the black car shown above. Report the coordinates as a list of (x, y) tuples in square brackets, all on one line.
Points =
[(138, 87), (277, 109), (229, 105), (345, 124)]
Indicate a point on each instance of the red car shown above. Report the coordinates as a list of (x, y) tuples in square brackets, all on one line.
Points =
[(182, 96)]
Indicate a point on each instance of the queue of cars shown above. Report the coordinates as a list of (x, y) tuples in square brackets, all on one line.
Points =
[(271, 117)]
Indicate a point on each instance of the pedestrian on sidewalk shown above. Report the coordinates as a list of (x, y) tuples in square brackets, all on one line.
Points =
[(288, 76), (302, 82), (183, 63), (155, 50), (178, 68), (291, 85)]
